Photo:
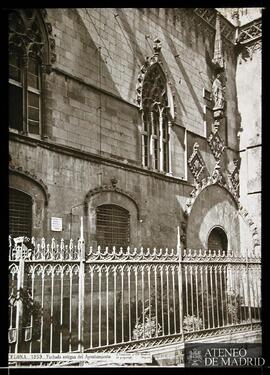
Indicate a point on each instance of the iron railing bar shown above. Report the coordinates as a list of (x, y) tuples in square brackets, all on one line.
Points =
[(202, 284), (162, 302), (107, 306), (143, 312), (129, 306), (51, 317), (221, 294), (149, 297), (192, 299), (32, 295), (217, 304), (168, 299), (70, 310), (99, 306), (122, 302)]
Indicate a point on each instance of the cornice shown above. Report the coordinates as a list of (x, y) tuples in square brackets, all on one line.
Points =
[(73, 152), (208, 15), (250, 32)]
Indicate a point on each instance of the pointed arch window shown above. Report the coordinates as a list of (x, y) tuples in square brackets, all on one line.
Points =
[(30, 57), (156, 121)]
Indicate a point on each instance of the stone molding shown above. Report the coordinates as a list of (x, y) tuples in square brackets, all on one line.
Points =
[(215, 179), (19, 170), (113, 188), (149, 62), (218, 179)]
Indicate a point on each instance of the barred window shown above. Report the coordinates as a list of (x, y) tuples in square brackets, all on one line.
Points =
[(112, 226), (156, 120), (20, 213)]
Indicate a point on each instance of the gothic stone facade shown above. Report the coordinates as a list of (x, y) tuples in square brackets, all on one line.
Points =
[(136, 109)]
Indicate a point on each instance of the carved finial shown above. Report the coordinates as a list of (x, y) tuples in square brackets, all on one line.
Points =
[(217, 166), (196, 146), (236, 162), (114, 182), (157, 46), (218, 59), (217, 172)]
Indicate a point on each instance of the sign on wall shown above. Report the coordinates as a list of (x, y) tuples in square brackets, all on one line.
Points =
[(56, 224)]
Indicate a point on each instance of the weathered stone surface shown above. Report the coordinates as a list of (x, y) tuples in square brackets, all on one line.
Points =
[(91, 107)]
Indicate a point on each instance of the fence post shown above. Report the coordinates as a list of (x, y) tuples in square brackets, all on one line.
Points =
[(180, 283), (81, 246), (19, 303), (248, 291)]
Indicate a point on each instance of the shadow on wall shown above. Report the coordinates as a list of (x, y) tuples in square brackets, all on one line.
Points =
[(138, 57), (96, 59), (184, 74)]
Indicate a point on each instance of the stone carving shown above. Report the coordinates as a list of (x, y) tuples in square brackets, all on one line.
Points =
[(234, 176), (216, 144), (218, 91), (31, 35), (252, 48), (218, 59), (218, 85), (217, 174), (250, 222), (216, 179), (152, 87), (157, 46), (195, 162), (114, 182), (249, 39)]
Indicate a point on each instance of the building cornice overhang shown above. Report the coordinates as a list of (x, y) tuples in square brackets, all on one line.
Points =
[(251, 32), (208, 15)]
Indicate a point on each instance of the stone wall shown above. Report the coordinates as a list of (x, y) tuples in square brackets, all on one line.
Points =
[(94, 123), (92, 89), (249, 103)]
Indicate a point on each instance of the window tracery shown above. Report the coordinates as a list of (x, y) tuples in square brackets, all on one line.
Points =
[(31, 54), (156, 120)]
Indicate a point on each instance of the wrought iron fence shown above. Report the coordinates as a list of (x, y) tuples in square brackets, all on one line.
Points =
[(63, 298)]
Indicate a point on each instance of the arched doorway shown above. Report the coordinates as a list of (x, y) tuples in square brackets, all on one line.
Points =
[(217, 240)]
